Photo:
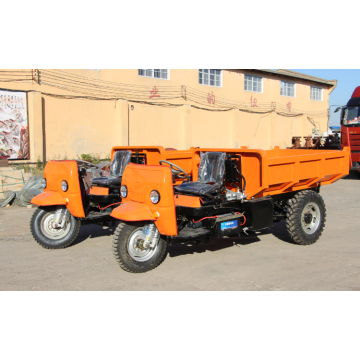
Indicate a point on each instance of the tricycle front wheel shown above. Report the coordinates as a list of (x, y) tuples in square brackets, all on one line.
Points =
[(129, 255), (46, 232)]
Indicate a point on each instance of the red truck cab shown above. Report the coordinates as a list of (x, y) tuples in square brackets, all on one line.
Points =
[(350, 129)]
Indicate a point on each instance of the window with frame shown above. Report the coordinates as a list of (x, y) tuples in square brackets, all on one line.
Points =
[(253, 83), (316, 93), (287, 89), (155, 73), (211, 77)]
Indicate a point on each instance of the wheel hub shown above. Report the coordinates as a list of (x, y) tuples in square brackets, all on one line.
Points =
[(140, 244), (54, 225), (136, 249), (308, 218), (51, 230)]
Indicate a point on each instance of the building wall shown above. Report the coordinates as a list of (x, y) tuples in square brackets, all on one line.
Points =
[(61, 126), (74, 127)]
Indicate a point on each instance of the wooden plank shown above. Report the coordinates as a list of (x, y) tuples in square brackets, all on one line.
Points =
[(4, 163)]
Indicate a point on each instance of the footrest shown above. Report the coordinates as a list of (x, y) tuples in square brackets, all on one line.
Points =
[(95, 215), (191, 233), (104, 198)]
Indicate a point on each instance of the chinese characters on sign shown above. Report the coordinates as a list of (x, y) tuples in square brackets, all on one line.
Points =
[(253, 102), (14, 137), (154, 92), (211, 98), (288, 105)]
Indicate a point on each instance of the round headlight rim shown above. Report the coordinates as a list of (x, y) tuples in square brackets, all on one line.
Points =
[(121, 191), (158, 194), (62, 185), (43, 183)]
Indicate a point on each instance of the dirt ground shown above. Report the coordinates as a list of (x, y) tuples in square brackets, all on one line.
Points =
[(266, 260)]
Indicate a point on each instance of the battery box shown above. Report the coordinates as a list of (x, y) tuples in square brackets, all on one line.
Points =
[(259, 213), (228, 224)]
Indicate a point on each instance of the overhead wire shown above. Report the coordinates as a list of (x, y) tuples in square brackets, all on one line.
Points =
[(106, 92), (69, 74), (49, 75), (90, 88), (15, 75)]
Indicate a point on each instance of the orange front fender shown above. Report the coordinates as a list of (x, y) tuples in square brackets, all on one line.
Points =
[(48, 198), (133, 211)]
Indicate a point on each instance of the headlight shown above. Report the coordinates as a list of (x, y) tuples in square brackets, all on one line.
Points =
[(43, 183), (64, 185), (123, 191), (154, 197)]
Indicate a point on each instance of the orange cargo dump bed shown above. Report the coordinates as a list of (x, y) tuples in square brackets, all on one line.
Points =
[(272, 172)]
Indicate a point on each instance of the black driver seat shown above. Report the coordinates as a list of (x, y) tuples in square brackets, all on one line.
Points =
[(117, 167), (210, 176)]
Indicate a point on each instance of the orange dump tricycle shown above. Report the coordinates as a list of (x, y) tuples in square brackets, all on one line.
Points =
[(70, 200), (221, 193)]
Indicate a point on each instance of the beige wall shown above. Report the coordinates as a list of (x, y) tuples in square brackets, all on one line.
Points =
[(59, 126), (79, 127)]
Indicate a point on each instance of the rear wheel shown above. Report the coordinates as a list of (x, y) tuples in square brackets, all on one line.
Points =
[(46, 232), (129, 255), (305, 217)]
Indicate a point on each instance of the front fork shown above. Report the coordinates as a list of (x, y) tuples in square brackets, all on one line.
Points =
[(62, 215), (149, 237)]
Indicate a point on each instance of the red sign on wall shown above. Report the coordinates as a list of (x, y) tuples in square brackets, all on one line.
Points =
[(288, 105), (211, 98), (253, 102), (154, 92)]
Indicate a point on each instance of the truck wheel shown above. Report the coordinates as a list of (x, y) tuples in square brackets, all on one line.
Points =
[(356, 173), (306, 216), (47, 235), (129, 256)]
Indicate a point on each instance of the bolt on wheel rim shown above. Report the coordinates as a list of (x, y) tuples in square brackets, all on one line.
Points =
[(134, 250), (310, 218), (50, 230)]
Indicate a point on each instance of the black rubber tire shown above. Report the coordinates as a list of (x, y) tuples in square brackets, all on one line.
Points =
[(295, 207), (120, 241), (356, 173), (47, 242)]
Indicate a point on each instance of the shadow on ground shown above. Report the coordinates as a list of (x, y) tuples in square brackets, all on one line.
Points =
[(216, 244), (351, 176), (93, 231), (280, 232)]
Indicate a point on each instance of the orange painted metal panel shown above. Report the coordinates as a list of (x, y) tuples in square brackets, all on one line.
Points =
[(48, 198), (97, 190), (140, 181), (133, 211), (54, 173), (309, 169), (281, 173), (188, 201)]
